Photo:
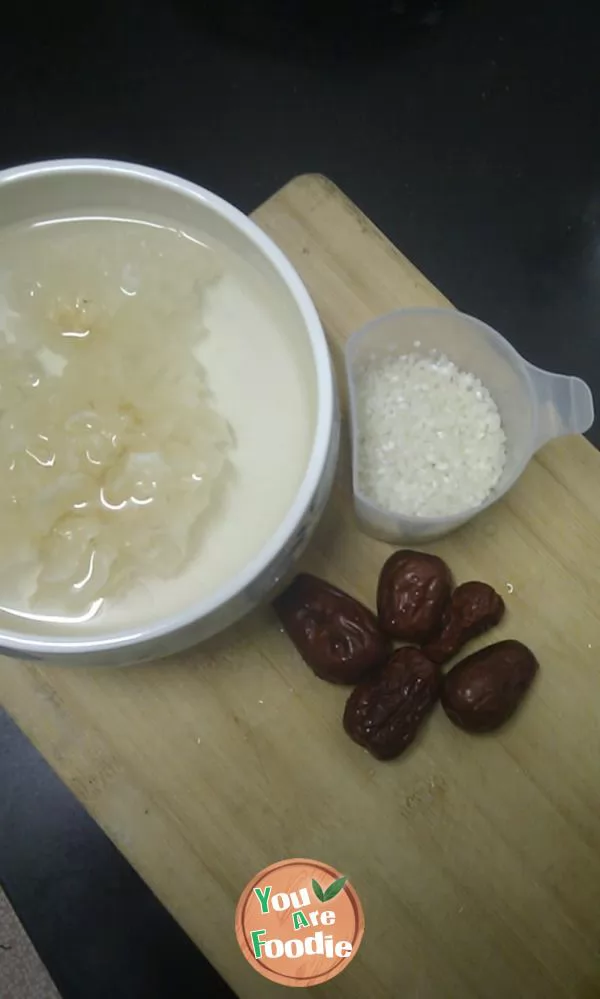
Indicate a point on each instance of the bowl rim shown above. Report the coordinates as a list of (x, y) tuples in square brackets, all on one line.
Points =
[(40, 643)]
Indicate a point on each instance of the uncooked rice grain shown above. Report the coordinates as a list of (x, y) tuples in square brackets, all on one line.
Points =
[(431, 442)]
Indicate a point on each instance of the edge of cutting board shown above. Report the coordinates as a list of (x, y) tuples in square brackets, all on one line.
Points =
[(476, 861)]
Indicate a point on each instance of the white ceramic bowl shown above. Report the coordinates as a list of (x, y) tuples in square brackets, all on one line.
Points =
[(64, 187)]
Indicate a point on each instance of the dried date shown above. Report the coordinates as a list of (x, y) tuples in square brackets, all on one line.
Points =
[(414, 588), (385, 712), (474, 608), (485, 689), (338, 637)]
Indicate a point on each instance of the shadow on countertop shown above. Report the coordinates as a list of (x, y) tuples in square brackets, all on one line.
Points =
[(355, 28)]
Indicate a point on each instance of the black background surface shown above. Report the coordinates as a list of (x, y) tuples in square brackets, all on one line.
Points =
[(468, 132)]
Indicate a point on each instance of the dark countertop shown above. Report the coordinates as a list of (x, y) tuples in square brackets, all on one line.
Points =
[(468, 132)]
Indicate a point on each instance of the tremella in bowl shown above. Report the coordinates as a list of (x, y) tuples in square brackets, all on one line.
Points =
[(203, 434), (534, 406)]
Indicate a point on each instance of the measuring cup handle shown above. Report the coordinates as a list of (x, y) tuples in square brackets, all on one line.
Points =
[(565, 405)]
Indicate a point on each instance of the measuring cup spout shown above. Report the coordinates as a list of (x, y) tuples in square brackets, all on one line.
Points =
[(565, 405)]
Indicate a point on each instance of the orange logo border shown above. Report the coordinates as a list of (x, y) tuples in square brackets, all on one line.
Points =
[(257, 963)]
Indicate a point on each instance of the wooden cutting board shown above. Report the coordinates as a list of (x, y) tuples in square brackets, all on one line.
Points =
[(477, 859)]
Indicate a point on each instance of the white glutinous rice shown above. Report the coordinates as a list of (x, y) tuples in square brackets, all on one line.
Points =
[(431, 442)]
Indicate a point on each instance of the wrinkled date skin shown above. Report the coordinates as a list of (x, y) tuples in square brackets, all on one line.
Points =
[(484, 690), (338, 637), (385, 712), (473, 608), (413, 590)]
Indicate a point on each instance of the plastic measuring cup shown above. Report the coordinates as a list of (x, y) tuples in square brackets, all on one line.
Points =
[(535, 405)]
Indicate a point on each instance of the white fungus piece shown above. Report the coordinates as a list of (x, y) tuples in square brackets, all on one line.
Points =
[(110, 446), (431, 442)]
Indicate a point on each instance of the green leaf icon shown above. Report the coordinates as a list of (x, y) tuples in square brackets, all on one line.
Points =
[(318, 890), (334, 889)]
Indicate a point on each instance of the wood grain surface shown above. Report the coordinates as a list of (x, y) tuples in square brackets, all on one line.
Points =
[(477, 860)]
